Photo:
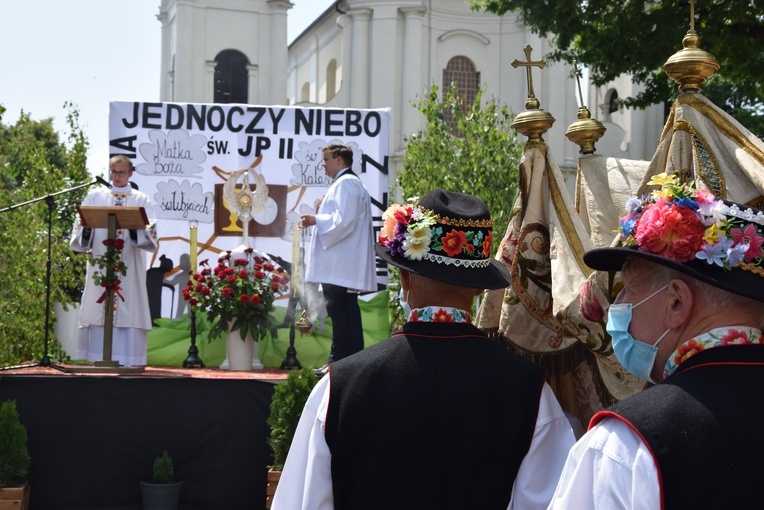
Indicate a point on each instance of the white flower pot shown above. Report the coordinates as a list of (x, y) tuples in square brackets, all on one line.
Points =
[(242, 355)]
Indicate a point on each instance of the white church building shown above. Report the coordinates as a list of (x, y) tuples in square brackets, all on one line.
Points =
[(384, 53)]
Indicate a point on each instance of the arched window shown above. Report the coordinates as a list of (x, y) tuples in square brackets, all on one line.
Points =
[(331, 79), (613, 101), (305, 93), (461, 72), (231, 77)]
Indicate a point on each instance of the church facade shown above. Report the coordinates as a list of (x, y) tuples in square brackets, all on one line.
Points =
[(384, 53)]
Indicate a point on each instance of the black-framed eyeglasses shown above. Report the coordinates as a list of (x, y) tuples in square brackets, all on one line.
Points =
[(118, 174)]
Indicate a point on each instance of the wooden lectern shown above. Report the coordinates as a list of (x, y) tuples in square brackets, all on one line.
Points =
[(111, 218)]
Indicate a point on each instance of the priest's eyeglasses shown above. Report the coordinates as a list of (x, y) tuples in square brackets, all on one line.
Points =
[(118, 174)]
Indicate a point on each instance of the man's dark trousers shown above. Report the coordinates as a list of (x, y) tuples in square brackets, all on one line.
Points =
[(347, 331)]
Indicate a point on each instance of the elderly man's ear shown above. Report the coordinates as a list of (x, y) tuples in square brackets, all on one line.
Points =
[(680, 302)]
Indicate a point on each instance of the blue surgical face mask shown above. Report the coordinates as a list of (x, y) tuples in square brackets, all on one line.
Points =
[(637, 357), (404, 304)]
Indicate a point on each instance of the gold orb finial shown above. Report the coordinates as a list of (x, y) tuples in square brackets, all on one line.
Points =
[(691, 66), (585, 131)]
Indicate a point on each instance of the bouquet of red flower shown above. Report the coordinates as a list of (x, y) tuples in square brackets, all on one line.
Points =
[(110, 266), (238, 293)]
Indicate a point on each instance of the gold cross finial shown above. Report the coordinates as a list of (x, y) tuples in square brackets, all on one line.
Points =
[(692, 15), (528, 64), (578, 82)]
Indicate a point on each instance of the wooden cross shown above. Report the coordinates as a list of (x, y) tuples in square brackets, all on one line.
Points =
[(528, 64)]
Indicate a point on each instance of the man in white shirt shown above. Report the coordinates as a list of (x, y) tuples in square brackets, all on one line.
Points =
[(689, 319), (438, 416), (341, 255)]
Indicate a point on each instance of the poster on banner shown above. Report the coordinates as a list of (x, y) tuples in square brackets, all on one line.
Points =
[(184, 153)]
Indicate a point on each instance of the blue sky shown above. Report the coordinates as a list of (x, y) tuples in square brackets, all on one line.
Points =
[(90, 52)]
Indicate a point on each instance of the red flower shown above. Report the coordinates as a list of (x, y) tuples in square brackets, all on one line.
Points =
[(108, 242), (469, 247), (670, 230), (589, 305), (269, 267), (198, 287), (685, 351), (735, 337), (750, 237), (414, 317), (275, 286), (119, 244), (255, 299), (403, 214), (231, 278), (259, 275), (453, 242), (442, 316), (226, 291), (243, 274), (244, 299), (487, 243), (206, 291), (228, 271), (193, 301)]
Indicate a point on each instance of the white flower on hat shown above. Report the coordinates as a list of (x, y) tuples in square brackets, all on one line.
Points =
[(416, 242)]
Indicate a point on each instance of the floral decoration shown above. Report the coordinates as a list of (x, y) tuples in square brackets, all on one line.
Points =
[(415, 233), (110, 266), (682, 224), (439, 314), (237, 292), (718, 337)]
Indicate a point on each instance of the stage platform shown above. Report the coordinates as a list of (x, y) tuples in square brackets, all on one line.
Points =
[(93, 436)]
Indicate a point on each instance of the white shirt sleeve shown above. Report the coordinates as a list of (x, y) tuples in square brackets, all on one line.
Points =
[(306, 481), (541, 467), (609, 468)]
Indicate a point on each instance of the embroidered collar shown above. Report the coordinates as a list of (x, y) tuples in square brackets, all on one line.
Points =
[(439, 314), (729, 335)]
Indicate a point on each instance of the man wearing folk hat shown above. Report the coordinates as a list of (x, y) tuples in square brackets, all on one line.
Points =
[(689, 319), (438, 416)]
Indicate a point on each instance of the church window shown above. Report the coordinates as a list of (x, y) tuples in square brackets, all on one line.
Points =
[(461, 72), (231, 77)]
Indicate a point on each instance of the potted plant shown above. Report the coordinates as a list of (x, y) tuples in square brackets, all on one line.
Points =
[(237, 296), (162, 492), (14, 457), (286, 408)]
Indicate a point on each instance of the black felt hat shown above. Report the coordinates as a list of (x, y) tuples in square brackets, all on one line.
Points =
[(447, 236), (741, 228)]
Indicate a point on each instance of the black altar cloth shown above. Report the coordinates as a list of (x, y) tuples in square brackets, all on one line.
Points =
[(92, 439)]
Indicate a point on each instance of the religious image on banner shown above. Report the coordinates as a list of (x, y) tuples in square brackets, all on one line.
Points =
[(185, 153)]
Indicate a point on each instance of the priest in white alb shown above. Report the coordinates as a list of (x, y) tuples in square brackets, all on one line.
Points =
[(132, 319)]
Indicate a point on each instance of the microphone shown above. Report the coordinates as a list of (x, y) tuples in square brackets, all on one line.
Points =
[(103, 181)]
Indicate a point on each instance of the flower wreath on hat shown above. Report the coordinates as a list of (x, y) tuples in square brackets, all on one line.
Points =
[(415, 233), (682, 224)]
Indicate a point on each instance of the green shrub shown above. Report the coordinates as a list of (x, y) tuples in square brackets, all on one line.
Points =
[(286, 408), (163, 469), (14, 456)]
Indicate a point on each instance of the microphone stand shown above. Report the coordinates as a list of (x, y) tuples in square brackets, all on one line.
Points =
[(50, 200)]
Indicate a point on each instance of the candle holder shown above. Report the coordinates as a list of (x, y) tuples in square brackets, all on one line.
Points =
[(193, 358)]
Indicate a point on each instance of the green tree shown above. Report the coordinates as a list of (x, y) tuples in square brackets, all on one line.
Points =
[(35, 164), (481, 157), (613, 37)]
